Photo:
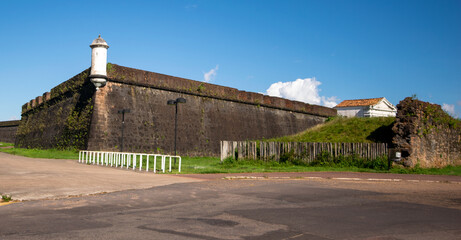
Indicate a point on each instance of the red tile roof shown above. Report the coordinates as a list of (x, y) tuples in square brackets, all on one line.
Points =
[(359, 102)]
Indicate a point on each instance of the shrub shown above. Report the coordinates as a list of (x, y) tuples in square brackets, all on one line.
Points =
[(6, 198), (229, 161), (292, 158), (379, 163), (325, 159)]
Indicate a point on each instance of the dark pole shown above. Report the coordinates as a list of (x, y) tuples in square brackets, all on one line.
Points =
[(176, 102)]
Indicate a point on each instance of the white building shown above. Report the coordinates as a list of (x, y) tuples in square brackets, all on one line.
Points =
[(372, 107)]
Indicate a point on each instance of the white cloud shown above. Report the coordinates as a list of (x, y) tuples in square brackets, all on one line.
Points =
[(459, 103), (449, 108), (329, 101), (304, 90), (13, 118), (211, 75)]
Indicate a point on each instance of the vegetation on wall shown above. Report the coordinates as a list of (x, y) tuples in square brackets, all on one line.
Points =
[(31, 127), (63, 121), (426, 134), (70, 86), (109, 68), (434, 116), (76, 127), (77, 122)]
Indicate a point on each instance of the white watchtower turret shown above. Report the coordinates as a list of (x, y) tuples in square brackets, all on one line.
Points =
[(98, 73)]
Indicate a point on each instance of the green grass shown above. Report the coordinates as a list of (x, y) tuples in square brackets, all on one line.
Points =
[(203, 165), (42, 153), (6, 198), (5, 144), (338, 129), (448, 170), (194, 165)]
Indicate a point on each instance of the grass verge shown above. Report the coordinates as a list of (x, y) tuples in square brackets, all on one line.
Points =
[(194, 165), (203, 165), (42, 153), (213, 165), (5, 144)]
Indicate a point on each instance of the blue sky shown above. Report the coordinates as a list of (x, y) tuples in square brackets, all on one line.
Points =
[(320, 52)]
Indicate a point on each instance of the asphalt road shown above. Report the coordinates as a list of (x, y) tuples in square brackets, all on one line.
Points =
[(247, 209), (67, 200)]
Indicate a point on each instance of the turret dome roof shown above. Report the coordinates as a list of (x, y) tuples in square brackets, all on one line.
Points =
[(99, 42)]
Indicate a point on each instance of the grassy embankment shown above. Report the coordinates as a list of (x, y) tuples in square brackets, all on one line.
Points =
[(353, 130)]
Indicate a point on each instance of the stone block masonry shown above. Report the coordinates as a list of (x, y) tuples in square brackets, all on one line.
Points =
[(142, 78), (212, 113), (8, 131), (426, 135), (60, 118), (77, 116)]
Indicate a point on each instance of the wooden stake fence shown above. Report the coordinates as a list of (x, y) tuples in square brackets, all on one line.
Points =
[(307, 151)]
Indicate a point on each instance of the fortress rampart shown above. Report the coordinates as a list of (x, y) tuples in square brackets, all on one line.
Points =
[(8, 131), (131, 76), (426, 135), (60, 118), (74, 115)]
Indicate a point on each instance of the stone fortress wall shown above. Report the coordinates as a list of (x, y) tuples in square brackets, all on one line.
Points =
[(74, 115), (8, 131), (426, 135), (60, 118)]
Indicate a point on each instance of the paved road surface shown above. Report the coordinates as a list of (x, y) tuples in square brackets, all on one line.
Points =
[(32, 178), (247, 209), (270, 207)]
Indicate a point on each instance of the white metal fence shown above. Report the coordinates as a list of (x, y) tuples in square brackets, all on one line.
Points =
[(127, 160)]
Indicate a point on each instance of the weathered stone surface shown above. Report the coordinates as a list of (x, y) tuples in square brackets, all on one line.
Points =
[(39, 100), (202, 121), (137, 77), (63, 120), (426, 135), (74, 115), (46, 96), (8, 131)]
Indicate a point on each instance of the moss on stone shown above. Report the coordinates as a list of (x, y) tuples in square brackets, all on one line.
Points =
[(109, 68), (63, 122), (71, 85)]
